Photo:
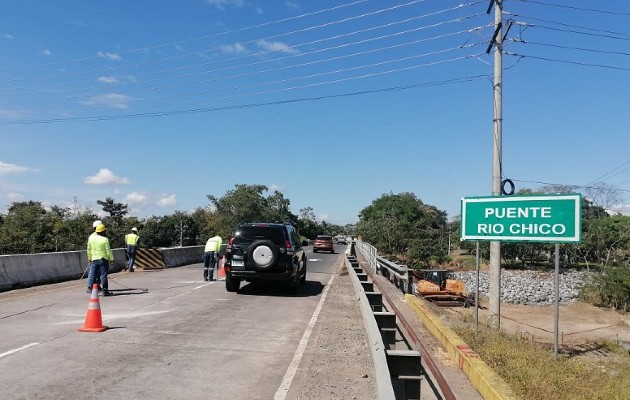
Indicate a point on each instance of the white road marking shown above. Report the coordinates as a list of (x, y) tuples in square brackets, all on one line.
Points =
[(314, 259), (281, 393), (8, 353)]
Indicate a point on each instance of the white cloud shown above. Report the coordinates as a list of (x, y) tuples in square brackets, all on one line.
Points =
[(14, 196), (234, 49), (135, 198), (169, 200), (8, 36), (46, 52), (106, 177), (132, 78), (292, 5), (12, 113), (6, 168), (221, 4), (109, 56), (112, 100), (107, 79), (323, 217), (276, 46), (276, 188)]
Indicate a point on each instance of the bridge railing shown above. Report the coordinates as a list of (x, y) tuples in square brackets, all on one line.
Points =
[(398, 274)]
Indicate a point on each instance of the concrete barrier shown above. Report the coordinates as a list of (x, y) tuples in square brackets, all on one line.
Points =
[(178, 256), (25, 270)]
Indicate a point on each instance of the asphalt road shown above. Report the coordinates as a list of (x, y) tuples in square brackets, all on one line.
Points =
[(170, 336)]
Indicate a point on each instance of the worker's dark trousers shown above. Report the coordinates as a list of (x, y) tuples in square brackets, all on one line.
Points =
[(208, 265)]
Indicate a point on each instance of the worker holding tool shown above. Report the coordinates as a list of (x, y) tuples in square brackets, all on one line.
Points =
[(99, 254), (131, 247), (210, 256)]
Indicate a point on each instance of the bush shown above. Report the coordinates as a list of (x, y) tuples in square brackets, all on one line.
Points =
[(610, 288)]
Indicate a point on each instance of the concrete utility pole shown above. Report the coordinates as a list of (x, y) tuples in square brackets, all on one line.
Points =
[(495, 246)]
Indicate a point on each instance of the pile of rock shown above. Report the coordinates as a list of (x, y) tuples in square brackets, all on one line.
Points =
[(528, 287)]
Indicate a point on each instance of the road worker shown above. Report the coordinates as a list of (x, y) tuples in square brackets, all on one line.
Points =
[(210, 256), (99, 254), (131, 247)]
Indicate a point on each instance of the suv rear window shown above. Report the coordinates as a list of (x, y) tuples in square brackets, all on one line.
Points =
[(323, 237), (249, 234)]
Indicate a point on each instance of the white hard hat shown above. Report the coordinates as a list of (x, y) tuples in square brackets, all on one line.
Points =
[(96, 223), (134, 229)]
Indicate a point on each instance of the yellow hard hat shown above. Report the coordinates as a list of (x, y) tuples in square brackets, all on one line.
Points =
[(101, 228)]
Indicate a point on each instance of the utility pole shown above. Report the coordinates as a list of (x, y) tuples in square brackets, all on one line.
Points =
[(497, 131)]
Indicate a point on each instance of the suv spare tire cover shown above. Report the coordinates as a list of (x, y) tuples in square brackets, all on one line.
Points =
[(263, 253)]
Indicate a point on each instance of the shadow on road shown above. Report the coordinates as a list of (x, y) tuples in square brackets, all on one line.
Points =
[(310, 288)]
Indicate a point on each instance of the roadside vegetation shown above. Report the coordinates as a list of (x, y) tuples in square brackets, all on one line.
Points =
[(29, 227), (400, 226), (534, 373)]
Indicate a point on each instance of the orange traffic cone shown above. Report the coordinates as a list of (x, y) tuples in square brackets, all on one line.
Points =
[(93, 319), (221, 269)]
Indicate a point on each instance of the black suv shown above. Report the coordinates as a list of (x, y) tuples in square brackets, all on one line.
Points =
[(264, 252)]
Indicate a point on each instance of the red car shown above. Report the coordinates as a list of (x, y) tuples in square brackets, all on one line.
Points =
[(323, 242)]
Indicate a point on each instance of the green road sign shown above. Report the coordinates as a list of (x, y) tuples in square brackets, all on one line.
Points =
[(527, 218)]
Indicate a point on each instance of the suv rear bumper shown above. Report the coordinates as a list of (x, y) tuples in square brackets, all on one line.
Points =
[(264, 276)]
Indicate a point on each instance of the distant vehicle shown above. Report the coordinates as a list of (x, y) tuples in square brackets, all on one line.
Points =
[(341, 239), (323, 242), (264, 252)]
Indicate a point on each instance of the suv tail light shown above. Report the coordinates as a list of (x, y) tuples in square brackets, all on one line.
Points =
[(287, 244)]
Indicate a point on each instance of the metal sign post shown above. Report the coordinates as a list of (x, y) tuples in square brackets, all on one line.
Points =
[(532, 218)]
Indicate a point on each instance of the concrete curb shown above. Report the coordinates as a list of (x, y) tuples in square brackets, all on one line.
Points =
[(484, 379)]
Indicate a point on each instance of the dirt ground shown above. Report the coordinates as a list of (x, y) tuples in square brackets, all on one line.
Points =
[(579, 323)]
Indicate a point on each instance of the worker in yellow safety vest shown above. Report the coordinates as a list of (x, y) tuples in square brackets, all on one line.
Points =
[(210, 256), (131, 247), (99, 254)]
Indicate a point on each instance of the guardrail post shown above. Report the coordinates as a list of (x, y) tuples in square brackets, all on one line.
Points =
[(405, 365), (376, 300)]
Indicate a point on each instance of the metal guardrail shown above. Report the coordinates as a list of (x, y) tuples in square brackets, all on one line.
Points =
[(395, 273), (392, 364)]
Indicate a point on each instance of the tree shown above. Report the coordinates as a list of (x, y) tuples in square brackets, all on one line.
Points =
[(116, 211), (403, 224), (247, 203)]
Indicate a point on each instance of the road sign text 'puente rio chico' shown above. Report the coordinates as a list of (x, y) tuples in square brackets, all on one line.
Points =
[(522, 218)]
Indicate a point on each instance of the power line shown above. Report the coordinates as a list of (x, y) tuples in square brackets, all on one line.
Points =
[(204, 37), (319, 26), (608, 36), (576, 8), (251, 105), (557, 46), (583, 64), (587, 28), (609, 172), (265, 61)]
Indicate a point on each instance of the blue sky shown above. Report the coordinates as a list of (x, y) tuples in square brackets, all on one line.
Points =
[(333, 103)]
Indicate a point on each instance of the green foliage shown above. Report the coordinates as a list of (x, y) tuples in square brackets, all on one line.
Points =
[(610, 288), (403, 224), (116, 211)]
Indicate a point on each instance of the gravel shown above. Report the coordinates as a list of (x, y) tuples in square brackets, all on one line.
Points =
[(528, 287)]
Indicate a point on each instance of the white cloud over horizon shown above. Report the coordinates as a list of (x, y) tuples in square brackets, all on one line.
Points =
[(112, 100), (222, 4), (276, 46), (7, 168), (136, 198), (167, 200), (107, 79), (109, 56), (106, 177)]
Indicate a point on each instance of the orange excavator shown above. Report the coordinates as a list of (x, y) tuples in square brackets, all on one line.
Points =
[(434, 285)]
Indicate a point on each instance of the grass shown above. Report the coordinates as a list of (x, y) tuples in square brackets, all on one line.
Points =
[(534, 373)]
